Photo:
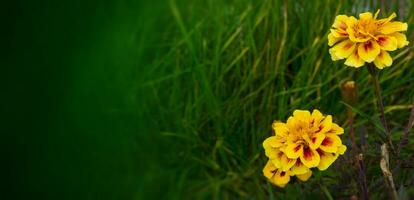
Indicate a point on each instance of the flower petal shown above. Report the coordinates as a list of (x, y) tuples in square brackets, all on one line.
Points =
[(339, 33), (275, 175), (317, 117), (271, 142), (277, 160), (387, 42), (332, 39), (286, 163), (294, 150), (369, 50), (330, 143), (325, 125), (340, 22), (281, 178), (336, 129), (401, 39), (298, 168), (354, 60), (365, 16), (280, 129), (271, 152), (333, 56), (383, 60), (302, 115), (292, 123), (344, 49), (310, 158), (341, 149), (392, 27), (316, 140), (326, 159), (269, 170), (304, 177)]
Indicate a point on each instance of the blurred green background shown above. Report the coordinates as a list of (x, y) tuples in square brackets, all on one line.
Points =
[(172, 99)]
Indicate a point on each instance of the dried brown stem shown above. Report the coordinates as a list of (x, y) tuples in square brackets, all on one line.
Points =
[(384, 164)]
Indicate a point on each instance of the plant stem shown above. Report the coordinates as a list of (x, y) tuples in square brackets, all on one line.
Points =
[(374, 73), (326, 191), (351, 131), (362, 176), (385, 167)]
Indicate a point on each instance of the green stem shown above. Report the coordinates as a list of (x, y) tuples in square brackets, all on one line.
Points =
[(374, 73), (326, 191)]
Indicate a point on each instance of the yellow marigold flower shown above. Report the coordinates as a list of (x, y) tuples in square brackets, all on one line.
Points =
[(307, 140), (366, 39)]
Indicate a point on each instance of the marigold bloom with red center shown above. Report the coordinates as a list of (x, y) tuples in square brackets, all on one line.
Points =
[(307, 140), (366, 39)]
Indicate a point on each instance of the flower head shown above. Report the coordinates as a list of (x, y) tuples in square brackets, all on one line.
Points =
[(307, 140), (366, 39)]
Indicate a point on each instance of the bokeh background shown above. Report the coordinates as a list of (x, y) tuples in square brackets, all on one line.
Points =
[(172, 99)]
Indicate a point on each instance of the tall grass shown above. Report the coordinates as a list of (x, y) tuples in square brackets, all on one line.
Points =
[(222, 71)]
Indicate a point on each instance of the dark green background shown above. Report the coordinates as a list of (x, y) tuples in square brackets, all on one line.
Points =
[(70, 72)]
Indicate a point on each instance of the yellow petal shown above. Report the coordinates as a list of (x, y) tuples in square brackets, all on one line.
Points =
[(302, 115), (341, 149), (316, 140), (365, 16), (298, 168), (339, 33), (325, 125), (317, 117), (286, 163), (340, 22), (350, 22), (271, 152), (401, 39), (332, 39), (344, 49), (310, 158), (304, 177), (330, 143), (295, 125), (277, 160), (269, 170), (281, 178), (354, 60), (333, 56), (326, 159), (336, 129), (369, 50), (392, 27), (387, 43), (292, 123), (294, 150), (280, 129), (383, 60), (271, 142)]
